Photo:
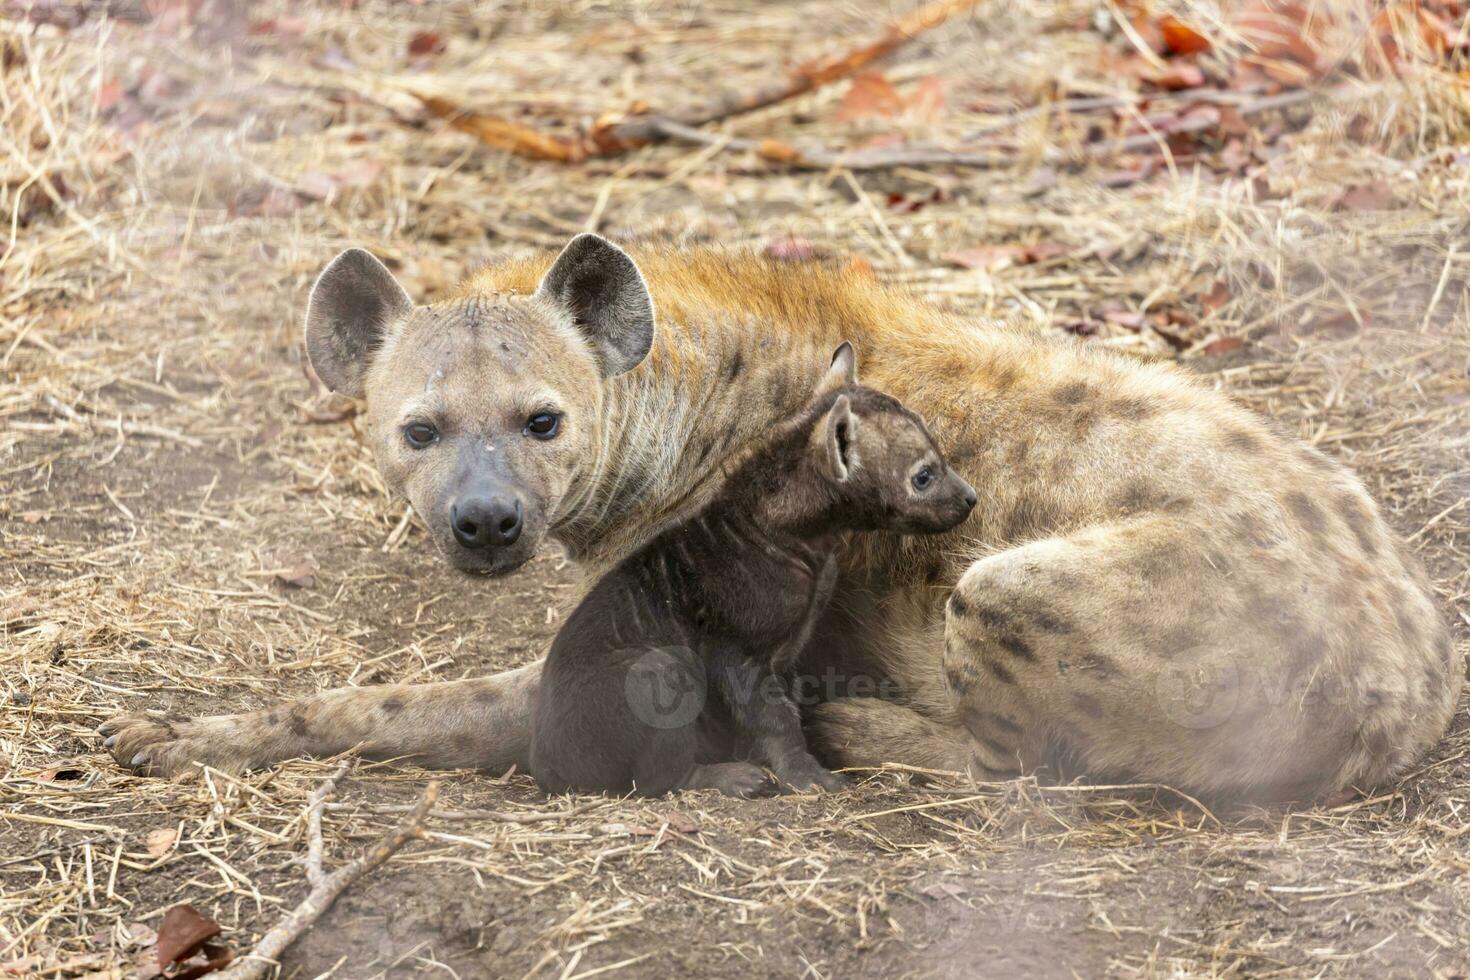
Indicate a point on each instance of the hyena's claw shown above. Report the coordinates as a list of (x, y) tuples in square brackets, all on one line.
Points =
[(146, 746)]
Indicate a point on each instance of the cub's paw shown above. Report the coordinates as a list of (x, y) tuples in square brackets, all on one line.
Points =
[(162, 746), (810, 779), (743, 780)]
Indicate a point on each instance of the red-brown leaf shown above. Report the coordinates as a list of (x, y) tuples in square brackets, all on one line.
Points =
[(1225, 345), (870, 95), (299, 572), (1180, 38), (425, 43), (990, 257), (1177, 77), (1217, 297), (182, 933), (1375, 195)]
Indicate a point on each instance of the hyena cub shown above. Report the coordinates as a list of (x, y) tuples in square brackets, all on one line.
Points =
[(671, 673)]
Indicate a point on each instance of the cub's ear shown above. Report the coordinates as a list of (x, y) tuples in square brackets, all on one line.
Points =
[(840, 428), (354, 303), (843, 371), (601, 288)]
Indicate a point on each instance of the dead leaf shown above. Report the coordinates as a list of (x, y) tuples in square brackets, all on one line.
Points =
[(1125, 318), (109, 93), (315, 184), (298, 572), (994, 257), (183, 932), (870, 95), (1177, 77), (1180, 38), (358, 172), (793, 249), (991, 257), (425, 43), (159, 842), (1277, 30), (1225, 345), (1217, 297), (926, 102), (1375, 195), (683, 823)]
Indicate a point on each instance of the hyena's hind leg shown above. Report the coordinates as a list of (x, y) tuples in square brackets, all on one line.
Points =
[(1232, 659), (483, 723)]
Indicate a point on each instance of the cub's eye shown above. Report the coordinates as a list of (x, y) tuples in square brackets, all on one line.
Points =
[(543, 425), (923, 479), (420, 435)]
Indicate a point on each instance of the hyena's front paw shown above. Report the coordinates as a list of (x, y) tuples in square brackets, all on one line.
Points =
[(166, 747)]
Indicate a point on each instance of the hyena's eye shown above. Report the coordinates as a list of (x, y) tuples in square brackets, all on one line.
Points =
[(420, 435), (923, 479), (543, 425)]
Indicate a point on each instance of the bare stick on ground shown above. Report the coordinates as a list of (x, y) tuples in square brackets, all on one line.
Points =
[(326, 887), (619, 136)]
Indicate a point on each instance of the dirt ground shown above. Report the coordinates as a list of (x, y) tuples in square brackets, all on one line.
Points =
[(189, 522)]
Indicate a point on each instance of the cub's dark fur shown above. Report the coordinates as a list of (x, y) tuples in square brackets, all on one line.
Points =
[(670, 674)]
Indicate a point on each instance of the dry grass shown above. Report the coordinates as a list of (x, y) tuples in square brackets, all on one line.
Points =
[(164, 455)]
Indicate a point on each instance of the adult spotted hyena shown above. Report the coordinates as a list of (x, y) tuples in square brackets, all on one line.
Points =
[(1154, 584)]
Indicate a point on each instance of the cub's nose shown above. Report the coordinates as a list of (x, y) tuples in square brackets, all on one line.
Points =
[(480, 522)]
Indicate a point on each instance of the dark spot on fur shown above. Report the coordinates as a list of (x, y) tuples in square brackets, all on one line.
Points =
[(1139, 496), (298, 721), (1445, 648), (273, 716), (486, 695), (999, 722), (1408, 628), (1243, 440), (1018, 452), (1360, 522), (1014, 645), (1047, 622), (736, 365), (1132, 409), (1088, 705), (1318, 461), (1308, 513), (958, 680), (1304, 651), (1181, 639), (1072, 393), (1004, 378), (391, 706), (993, 747), (1000, 672), (957, 605)]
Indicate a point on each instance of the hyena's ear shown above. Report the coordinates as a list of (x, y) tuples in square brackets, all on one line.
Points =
[(843, 371), (598, 284), (353, 304), (840, 431)]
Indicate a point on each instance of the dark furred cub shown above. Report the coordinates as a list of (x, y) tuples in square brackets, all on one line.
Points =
[(671, 673)]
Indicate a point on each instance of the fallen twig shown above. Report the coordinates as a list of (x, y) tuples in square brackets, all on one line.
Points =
[(326, 887), (618, 136)]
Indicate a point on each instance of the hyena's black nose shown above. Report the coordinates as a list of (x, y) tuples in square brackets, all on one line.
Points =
[(480, 522)]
